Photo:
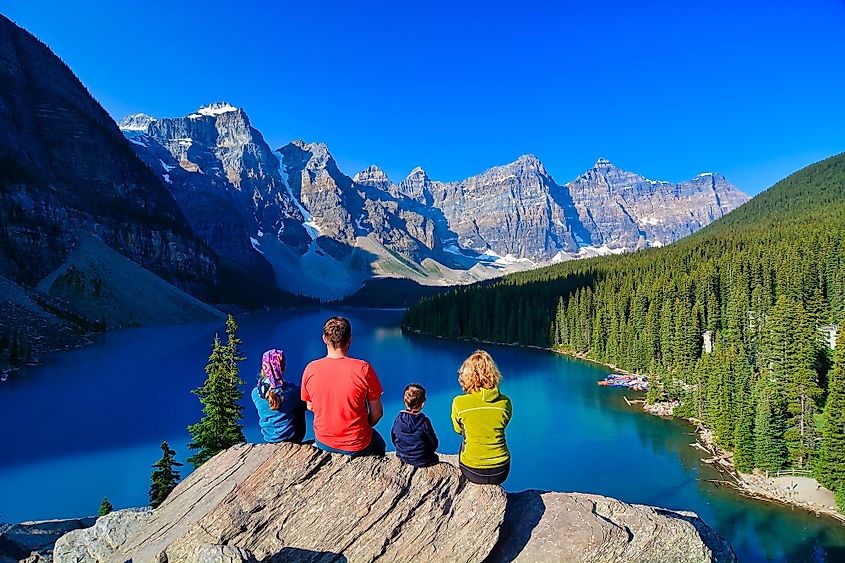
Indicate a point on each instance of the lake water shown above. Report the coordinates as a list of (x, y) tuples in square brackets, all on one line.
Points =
[(88, 424)]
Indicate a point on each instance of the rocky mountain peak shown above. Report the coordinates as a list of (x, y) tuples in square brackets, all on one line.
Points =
[(373, 176), (136, 122), (603, 164), (213, 109), (417, 174), (528, 159), (708, 176), (530, 162)]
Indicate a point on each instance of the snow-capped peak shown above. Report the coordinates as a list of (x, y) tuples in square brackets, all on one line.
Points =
[(217, 108), (418, 171), (136, 122), (602, 162)]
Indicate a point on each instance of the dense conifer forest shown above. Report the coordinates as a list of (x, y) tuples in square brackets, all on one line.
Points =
[(733, 322)]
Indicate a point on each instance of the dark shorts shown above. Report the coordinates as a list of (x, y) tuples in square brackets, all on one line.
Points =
[(487, 476), (377, 447)]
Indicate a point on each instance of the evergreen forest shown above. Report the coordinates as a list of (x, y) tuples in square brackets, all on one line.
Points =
[(735, 322)]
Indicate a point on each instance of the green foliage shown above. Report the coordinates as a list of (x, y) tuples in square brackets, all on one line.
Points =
[(830, 470), (220, 426), (165, 476), (105, 507), (760, 281), (770, 452), (840, 499)]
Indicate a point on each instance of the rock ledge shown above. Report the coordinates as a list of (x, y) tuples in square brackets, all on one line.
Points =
[(284, 502)]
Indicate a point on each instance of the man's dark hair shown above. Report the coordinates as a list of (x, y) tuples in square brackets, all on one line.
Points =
[(338, 332), (414, 396)]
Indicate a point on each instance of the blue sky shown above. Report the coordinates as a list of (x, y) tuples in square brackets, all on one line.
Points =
[(754, 90)]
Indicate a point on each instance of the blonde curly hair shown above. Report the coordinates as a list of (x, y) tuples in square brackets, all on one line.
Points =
[(479, 371)]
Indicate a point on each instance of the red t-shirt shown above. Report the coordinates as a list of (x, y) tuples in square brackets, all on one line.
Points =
[(339, 389)]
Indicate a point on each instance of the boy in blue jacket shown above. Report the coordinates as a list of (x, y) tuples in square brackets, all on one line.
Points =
[(412, 434)]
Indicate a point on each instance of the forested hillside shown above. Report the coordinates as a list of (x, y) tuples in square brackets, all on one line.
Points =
[(756, 288)]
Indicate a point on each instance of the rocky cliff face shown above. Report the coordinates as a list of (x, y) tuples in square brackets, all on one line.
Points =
[(309, 220), (65, 168), (620, 209), (284, 502), (224, 177)]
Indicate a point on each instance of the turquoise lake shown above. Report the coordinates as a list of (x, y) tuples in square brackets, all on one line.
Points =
[(88, 423)]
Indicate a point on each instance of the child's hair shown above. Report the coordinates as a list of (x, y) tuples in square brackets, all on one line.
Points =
[(268, 392), (414, 396), (479, 371)]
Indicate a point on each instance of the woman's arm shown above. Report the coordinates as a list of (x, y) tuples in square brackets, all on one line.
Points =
[(456, 422)]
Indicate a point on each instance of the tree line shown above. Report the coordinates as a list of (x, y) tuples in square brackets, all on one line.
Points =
[(730, 322)]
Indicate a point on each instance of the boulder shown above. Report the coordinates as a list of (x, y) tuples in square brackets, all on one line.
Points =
[(542, 526), (285, 502), (296, 503), (33, 541)]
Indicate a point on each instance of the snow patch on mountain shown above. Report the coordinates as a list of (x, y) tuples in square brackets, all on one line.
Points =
[(603, 250), (217, 108)]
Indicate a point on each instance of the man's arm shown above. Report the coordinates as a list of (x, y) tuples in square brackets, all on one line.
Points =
[(376, 411), (308, 406)]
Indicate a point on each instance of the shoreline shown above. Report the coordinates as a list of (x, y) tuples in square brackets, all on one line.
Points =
[(752, 485)]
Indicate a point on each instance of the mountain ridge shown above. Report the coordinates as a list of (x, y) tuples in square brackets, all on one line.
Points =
[(507, 218)]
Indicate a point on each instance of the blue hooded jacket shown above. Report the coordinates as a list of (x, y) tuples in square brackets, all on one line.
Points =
[(285, 425), (415, 440)]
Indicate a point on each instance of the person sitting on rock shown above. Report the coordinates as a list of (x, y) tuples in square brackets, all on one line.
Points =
[(481, 415), (345, 395), (281, 411), (412, 434)]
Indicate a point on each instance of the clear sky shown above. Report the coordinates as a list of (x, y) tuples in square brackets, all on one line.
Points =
[(754, 90)]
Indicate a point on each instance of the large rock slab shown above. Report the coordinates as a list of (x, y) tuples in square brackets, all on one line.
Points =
[(284, 502), (541, 526)]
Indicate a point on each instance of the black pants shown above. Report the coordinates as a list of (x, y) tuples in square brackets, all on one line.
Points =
[(489, 476)]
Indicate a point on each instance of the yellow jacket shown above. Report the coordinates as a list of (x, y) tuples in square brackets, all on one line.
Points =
[(481, 418)]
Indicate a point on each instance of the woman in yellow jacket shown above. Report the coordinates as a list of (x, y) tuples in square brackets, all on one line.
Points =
[(480, 415)]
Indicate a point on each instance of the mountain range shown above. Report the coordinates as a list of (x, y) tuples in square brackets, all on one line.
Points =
[(324, 233)]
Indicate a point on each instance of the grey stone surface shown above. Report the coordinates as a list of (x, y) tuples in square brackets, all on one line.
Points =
[(543, 526), (284, 502), (33, 541), (296, 503), (101, 542)]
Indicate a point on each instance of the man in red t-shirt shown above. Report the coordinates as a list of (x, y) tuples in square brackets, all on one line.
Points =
[(345, 396)]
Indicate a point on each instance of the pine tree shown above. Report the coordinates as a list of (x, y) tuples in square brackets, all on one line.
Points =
[(744, 412), (789, 355), (105, 507), (220, 426), (165, 476), (769, 445), (830, 469)]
